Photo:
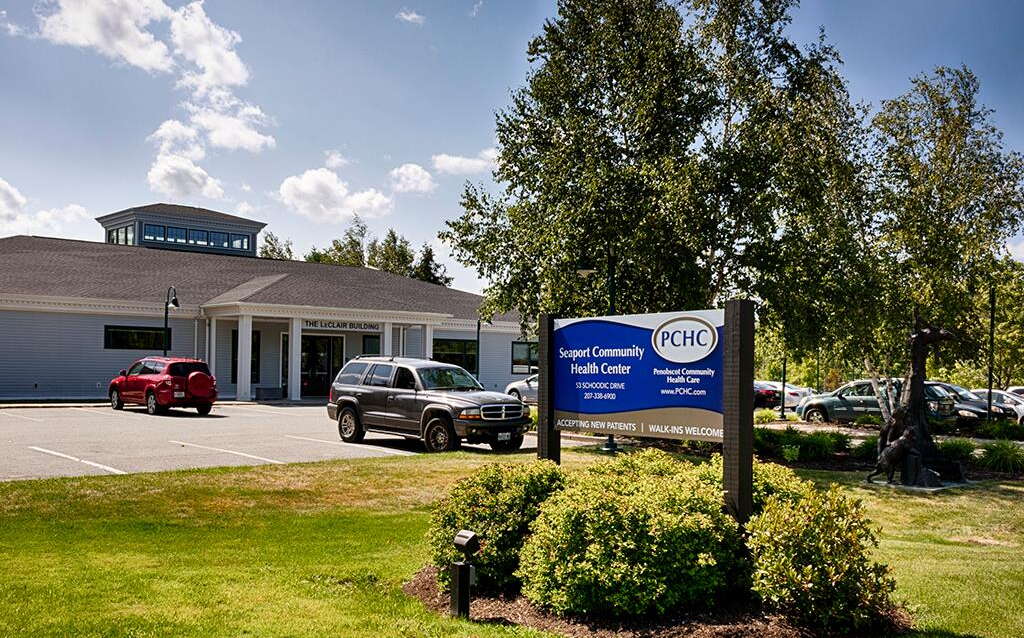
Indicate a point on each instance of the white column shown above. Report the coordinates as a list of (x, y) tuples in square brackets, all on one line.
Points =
[(211, 347), (243, 372), (428, 341), (386, 336), (295, 359), (401, 341)]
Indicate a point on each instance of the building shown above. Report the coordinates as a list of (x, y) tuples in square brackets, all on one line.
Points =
[(73, 313)]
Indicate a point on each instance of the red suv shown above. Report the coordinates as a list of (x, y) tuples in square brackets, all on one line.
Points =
[(160, 383)]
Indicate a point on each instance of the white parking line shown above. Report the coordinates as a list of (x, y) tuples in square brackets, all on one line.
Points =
[(369, 448), (217, 449), (19, 416), (112, 470)]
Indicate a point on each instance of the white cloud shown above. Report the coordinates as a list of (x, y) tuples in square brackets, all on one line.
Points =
[(244, 208), (246, 187), (461, 165), (410, 16), (115, 28), (8, 26), (334, 159), (1016, 248), (44, 221), (178, 176), (411, 178), (176, 138), (475, 11), (210, 47), (235, 130), (11, 201), (321, 195)]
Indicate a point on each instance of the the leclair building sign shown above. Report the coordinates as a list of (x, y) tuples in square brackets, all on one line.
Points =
[(330, 324), (655, 375)]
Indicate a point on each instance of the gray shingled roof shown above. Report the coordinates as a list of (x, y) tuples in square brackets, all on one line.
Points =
[(71, 268), (178, 209)]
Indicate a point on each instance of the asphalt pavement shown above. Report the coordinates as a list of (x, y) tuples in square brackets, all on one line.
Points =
[(96, 440)]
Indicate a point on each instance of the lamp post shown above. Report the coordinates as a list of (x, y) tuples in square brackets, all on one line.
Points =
[(586, 270), (171, 301), (991, 343)]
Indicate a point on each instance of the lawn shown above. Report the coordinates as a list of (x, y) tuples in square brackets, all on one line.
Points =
[(323, 549)]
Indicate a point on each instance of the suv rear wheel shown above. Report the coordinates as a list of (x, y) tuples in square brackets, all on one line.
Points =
[(115, 400), (439, 436), (349, 428), (152, 407)]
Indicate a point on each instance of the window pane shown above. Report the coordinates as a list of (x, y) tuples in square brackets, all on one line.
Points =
[(371, 344), (135, 369), (240, 242), (524, 357), (460, 352), (122, 235), (176, 235), (351, 373), (404, 379), (381, 374), (134, 338), (130, 236), (152, 232), (197, 237), (112, 236), (219, 240), (254, 360)]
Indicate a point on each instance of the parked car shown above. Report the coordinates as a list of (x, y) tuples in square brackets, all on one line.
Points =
[(971, 409), (160, 383), (856, 398), (525, 390), (793, 393), (1016, 389), (438, 403), (1008, 401), (765, 395)]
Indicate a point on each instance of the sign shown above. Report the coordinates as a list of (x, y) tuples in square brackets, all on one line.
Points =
[(331, 324), (655, 375)]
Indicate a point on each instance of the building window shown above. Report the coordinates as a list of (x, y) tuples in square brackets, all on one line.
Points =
[(112, 236), (220, 240), (176, 235), (124, 236), (152, 232), (197, 237), (135, 338), (371, 344), (130, 235), (254, 370), (524, 357), (461, 352), (240, 242)]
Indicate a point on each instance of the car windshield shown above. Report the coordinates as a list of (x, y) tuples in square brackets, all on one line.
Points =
[(448, 378), (963, 393), (935, 392), (183, 369)]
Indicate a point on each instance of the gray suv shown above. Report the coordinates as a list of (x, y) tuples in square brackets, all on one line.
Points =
[(439, 403)]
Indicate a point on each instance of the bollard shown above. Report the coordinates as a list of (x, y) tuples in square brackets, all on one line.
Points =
[(462, 573)]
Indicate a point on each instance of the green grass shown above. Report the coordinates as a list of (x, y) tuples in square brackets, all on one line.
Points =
[(323, 549)]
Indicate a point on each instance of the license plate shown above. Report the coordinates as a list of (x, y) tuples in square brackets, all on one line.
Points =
[(179, 395), (504, 436)]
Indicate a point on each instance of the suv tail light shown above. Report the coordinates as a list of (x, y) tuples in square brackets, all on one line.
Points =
[(330, 395)]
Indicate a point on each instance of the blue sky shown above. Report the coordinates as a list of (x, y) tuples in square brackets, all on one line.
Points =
[(301, 113)]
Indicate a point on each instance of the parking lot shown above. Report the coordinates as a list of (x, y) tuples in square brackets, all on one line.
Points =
[(74, 441)]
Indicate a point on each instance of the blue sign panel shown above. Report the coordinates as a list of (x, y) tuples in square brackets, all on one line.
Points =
[(655, 375)]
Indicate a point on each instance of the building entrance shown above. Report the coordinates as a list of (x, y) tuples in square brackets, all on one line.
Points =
[(322, 358)]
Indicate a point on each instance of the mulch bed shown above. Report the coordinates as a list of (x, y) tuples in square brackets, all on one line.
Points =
[(731, 623)]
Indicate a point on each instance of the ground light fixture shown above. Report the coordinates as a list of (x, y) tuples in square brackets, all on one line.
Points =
[(171, 301), (463, 572)]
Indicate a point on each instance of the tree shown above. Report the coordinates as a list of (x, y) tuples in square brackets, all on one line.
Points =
[(347, 251), (392, 254), (429, 270), (274, 248), (661, 140)]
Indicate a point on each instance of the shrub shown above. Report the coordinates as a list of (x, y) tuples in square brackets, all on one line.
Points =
[(1002, 456), (792, 417), (867, 420), (770, 479), (765, 415), (791, 453), (866, 450), (498, 502), (961, 450), (767, 442), (1002, 429), (610, 544), (810, 559)]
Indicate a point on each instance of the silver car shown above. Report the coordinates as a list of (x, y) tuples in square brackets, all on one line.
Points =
[(525, 390)]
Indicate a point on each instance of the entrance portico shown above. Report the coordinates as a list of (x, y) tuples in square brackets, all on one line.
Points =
[(327, 338)]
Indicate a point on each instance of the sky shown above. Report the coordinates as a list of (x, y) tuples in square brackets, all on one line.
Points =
[(303, 113)]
